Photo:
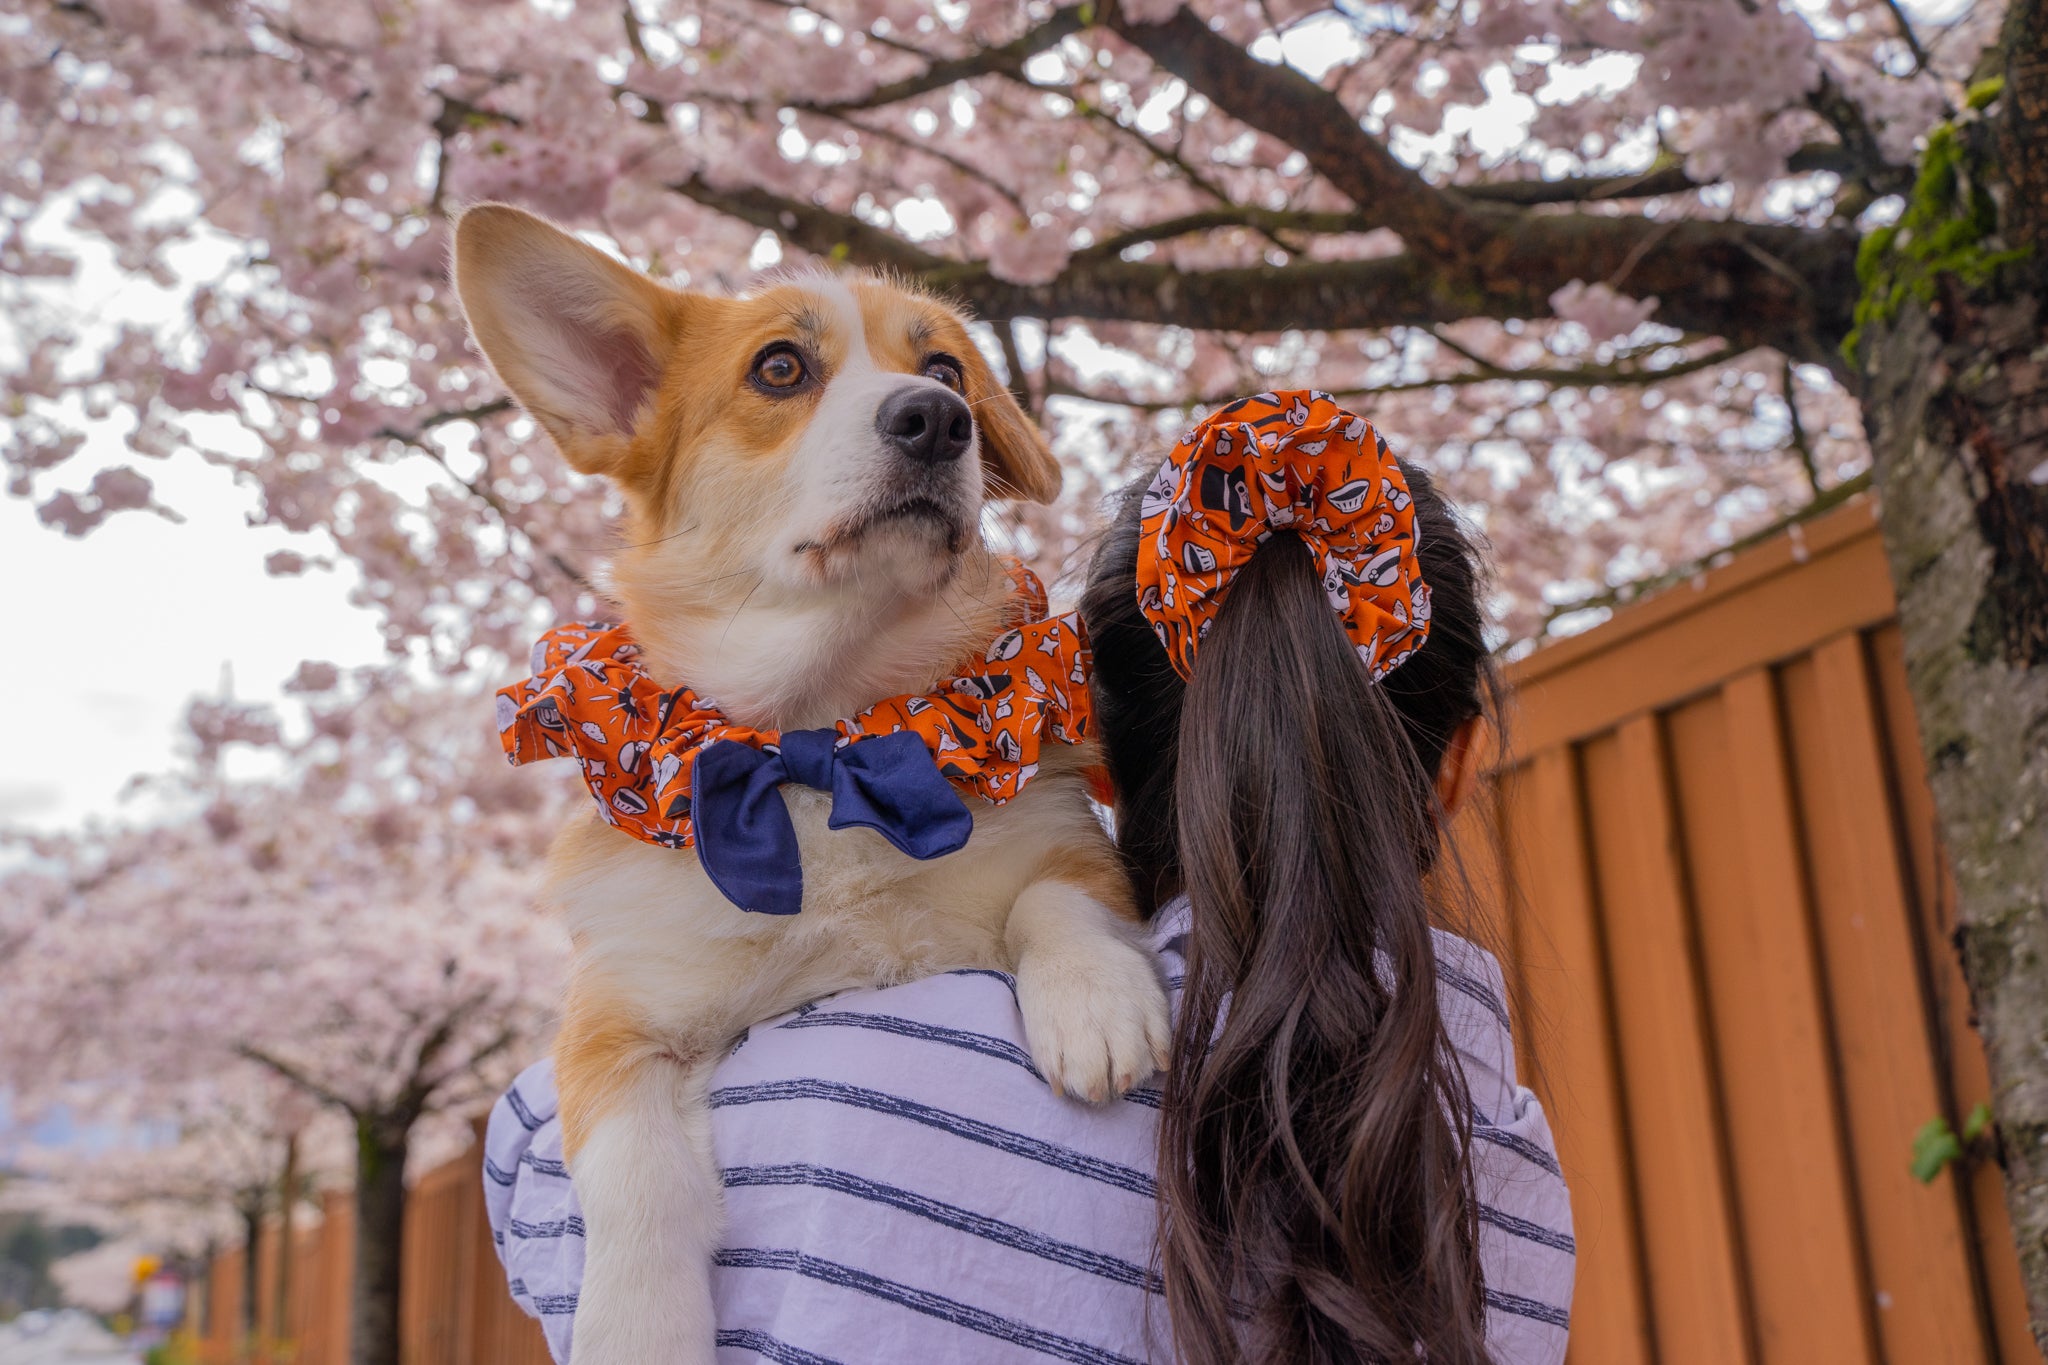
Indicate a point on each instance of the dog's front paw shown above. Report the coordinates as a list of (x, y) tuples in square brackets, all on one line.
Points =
[(1095, 1014)]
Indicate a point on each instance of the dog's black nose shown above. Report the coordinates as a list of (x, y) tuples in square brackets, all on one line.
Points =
[(925, 423)]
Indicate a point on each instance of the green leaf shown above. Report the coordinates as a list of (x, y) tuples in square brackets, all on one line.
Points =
[(1934, 1146), (1977, 1122)]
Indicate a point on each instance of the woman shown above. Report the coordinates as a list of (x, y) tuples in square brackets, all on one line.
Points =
[(1338, 1164)]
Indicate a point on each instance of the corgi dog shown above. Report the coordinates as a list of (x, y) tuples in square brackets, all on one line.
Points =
[(804, 468)]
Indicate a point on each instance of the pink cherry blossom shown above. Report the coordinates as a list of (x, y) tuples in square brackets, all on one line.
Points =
[(1600, 310), (1028, 255)]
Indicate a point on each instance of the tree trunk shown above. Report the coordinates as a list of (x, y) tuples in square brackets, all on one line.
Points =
[(381, 1142), (252, 1269), (287, 1202), (1957, 405)]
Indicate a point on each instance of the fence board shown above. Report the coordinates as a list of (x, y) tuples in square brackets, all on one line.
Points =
[(1564, 978), (1805, 1271), (1770, 604), (1927, 1305), (1689, 1236)]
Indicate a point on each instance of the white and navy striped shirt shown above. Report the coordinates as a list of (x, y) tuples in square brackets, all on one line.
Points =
[(900, 1184)]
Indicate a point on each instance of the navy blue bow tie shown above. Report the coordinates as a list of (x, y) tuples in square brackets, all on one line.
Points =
[(887, 783)]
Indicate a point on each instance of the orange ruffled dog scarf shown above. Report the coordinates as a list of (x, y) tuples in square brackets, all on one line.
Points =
[(1288, 461), (668, 768)]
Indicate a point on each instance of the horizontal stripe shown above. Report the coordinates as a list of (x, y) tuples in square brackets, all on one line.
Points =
[(1004, 977), (497, 1174), (781, 1352), (956, 1125), (528, 1120), (571, 1226), (950, 1216), (544, 1166), (1475, 988), (1000, 1049), (1519, 1145), (1533, 1309), (1526, 1230), (923, 1301)]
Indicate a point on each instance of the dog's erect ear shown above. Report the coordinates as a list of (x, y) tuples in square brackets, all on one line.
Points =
[(1018, 461), (578, 338)]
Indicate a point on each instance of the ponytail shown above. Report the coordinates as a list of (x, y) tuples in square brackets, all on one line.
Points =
[(1316, 1200)]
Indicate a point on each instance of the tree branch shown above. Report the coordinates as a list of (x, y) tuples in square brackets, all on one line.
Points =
[(1920, 59), (1710, 277), (1004, 59), (1234, 216), (1668, 177), (923, 147), (480, 491), (1559, 377), (297, 1077), (1859, 142), (1752, 284), (1286, 104), (818, 230), (1013, 360), (1801, 442)]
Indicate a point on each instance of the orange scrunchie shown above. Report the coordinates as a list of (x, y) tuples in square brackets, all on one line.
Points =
[(1291, 461)]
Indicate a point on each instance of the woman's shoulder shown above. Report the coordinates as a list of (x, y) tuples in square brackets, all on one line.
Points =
[(939, 1060), (1472, 997)]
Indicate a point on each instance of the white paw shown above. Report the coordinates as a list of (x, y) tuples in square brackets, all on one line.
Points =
[(1095, 1015)]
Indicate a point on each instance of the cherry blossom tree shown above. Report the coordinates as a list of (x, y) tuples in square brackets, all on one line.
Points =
[(1635, 278), (185, 1170), (359, 936), (1597, 265)]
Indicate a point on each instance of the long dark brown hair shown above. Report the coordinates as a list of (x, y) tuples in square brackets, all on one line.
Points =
[(1316, 1199)]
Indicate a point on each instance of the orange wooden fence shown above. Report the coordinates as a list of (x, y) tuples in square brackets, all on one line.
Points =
[(1738, 997), (454, 1309), (1735, 993)]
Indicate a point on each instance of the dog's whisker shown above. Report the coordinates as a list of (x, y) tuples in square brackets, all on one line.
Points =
[(659, 540), (759, 578)]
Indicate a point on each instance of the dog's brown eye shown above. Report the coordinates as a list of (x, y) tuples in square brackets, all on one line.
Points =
[(781, 368), (946, 370)]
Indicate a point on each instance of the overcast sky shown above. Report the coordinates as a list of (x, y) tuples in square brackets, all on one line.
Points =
[(112, 634)]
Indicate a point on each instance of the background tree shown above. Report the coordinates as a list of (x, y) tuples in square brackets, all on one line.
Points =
[(30, 1243), (359, 935), (1598, 263), (182, 1171)]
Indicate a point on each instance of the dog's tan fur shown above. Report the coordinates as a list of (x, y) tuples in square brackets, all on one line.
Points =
[(748, 573)]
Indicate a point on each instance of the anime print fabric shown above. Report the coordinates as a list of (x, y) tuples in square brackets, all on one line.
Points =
[(1291, 461), (667, 767)]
